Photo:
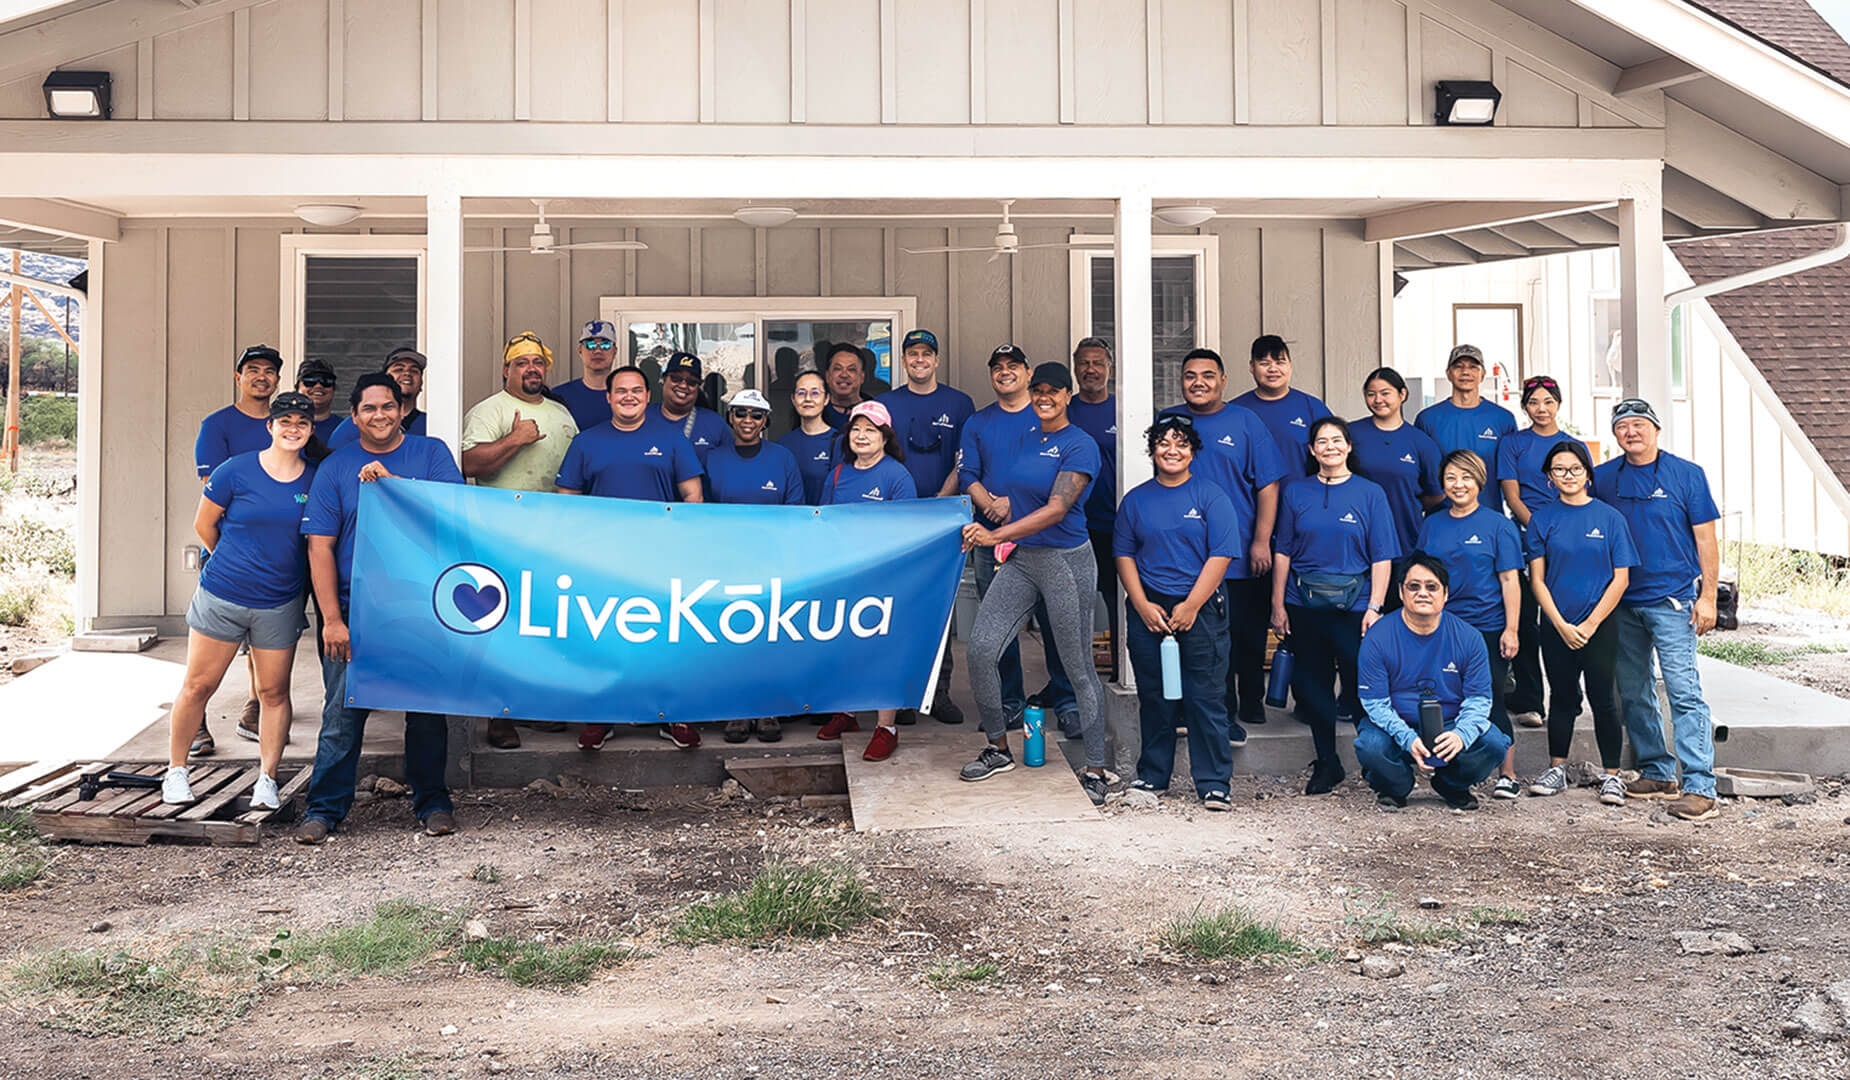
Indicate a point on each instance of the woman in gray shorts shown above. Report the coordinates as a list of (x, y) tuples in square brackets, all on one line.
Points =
[(251, 589), (1044, 485)]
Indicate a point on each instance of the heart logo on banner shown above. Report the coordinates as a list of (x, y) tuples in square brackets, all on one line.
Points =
[(475, 603)]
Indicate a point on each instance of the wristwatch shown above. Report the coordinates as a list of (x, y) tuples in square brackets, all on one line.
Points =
[(1376, 608)]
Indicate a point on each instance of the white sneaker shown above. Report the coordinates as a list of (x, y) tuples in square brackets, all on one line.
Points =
[(1552, 782), (174, 788), (1612, 790), (263, 797)]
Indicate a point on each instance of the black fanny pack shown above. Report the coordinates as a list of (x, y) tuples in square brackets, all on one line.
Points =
[(1330, 592)]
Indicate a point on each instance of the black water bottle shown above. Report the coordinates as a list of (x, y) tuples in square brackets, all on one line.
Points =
[(1432, 725), (1278, 683)]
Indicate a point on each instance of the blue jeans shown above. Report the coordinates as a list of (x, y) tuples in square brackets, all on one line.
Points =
[(1664, 627), (337, 755), (1389, 770), (1203, 706)]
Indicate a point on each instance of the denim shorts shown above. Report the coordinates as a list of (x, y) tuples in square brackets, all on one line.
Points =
[(264, 628)]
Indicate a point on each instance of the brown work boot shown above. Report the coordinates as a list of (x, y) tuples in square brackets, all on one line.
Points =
[(1693, 807), (312, 831), (440, 823), (501, 733), (737, 731), (1646, 788), (770, 729)]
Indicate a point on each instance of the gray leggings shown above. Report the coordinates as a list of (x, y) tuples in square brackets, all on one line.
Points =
[(1066, 579)]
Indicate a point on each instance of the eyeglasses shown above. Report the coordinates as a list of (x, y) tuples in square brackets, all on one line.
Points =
[(316, 380), (1568, 471), (598, 344), (811, 394), (1432, 587), (749, 414)]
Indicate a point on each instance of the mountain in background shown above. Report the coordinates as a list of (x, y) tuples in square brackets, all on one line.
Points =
[(46, 268)]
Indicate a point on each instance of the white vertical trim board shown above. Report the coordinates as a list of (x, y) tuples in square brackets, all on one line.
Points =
[(241, 64), (90, 360), (337, 59), (979, 62), (799, 61), (442, 317), (427, 70), (709, 63), (889, 62), (1131, 250), (1068, 62), (144, 79), (523, 59), (1153, 58)]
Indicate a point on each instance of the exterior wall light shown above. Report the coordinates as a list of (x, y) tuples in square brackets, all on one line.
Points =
[(1183, 216), (1465, 102), (328, 215), (77, 95), (764, 217)]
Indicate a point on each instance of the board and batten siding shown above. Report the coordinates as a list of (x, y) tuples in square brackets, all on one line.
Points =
[(186, 295), (1767, 490), (960, 62)]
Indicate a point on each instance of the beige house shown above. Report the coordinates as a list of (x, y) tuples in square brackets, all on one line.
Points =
[(1182, 172)]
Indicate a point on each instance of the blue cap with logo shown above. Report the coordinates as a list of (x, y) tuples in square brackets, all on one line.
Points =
[(682, 361), (598, 328), (919, 337)]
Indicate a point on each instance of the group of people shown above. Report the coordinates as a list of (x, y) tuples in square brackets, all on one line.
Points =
[(1378, 552)]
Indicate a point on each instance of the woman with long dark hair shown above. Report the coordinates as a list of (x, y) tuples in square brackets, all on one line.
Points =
[(812, 441), (1399, 457)]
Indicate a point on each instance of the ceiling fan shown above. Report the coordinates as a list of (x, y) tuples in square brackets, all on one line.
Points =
[(1005, 243), (545, 242)]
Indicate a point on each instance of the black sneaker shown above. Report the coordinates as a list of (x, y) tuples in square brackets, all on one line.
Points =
[(1324, 778), (1389, 804), (1216, 801), (1462, 801), (1094, 786), (1235, 733), (1014, 722), (946, 711), (906, 716), (1070, 726), (991, 761)]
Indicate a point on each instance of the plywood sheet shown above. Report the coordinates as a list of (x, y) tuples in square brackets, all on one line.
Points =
[(84, 705), (918, 787)]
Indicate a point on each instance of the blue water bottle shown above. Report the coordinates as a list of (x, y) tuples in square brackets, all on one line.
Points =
[(1278, 684), (1033, 739), (1172, 669)]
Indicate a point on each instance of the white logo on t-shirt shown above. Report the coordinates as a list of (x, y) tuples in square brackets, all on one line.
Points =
[(1297, 421), (943, 420), (1451, 667), (1052, 451), (770, 485), (1112, 430), (1226, 440), (1192, 515), (821, 455), (1348, 519), (1659, 494), (1595, 534), (1489, 434), (1409, 458), (653, 451), (872, 493), (1472, 539), (703, 441)]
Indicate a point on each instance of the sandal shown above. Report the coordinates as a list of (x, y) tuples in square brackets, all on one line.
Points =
[(203, 746)]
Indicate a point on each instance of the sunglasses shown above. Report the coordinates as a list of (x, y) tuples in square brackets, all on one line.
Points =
[(599, 344), (316, 380), (1176, 420), (1423, 587), (749, 414)]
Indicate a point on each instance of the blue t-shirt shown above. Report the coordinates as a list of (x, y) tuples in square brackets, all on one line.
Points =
[(768, 477), (648, 463), (334, 498), (261, 560), (1028, 480), (1238, 456), (1582, 545), (1523, 457), (1100, 420), (1480, 429), (1397, 667), (706, 430), (1288, 419), (1475, 549), (887, 481), (990, 436), (929, 427), (1172, 532), (1662, 502), (226, 433), (588, 407), (346, 434), (324, 429), (815, 456), (1405, 462), (1334, 529)]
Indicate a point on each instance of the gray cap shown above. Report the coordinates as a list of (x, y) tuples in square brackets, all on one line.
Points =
[(1632, 406), (1465, 352)]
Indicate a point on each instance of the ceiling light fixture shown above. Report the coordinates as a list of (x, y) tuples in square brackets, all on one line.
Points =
[(1465, 102), (77, 95), (328, 215), (764, 217), (1184, 216)]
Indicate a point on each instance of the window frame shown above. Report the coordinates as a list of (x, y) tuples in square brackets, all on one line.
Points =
[(1597, 350), (1522, 341), (621, 311), (1205, 247), (297, 248)]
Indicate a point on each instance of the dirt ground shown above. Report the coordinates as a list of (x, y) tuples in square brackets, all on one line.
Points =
[(1587, 978), (1792, 628)]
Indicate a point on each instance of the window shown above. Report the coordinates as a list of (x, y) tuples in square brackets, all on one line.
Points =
[(349, 300), (1496, 329), (1679, 350), (1184, 303), (1607, 352)]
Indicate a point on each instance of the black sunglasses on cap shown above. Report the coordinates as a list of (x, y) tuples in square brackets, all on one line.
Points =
[(317, 380), (750, 414)]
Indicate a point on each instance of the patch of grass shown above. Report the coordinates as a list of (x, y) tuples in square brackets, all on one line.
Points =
[(1379, 922), (121, 993), (783, 901), (948, 973), (398, 936), (530, 963), (1229, 933), (22, 861), (1805, 578), (20, 597), (1759, 653), (28, 543), (486, 873)]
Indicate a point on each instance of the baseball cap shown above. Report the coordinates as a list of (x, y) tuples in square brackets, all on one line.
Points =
[(1465, 352), (1053, 374), (874, 411), (405, 352), (598, 328), (1632, 406), (258, 352), (919, 337), (682, 361), (1008, 352), (1093, 343), (312, 369), (749, 399), (291, 402)]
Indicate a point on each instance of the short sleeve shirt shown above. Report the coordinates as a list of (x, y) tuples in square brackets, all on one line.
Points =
[(334, 498), (1475, 549), (1340, 528), (1405, 462), (1395, 663), (887, 481), (1479, 429), (703, 428), (1037, 460), (989, 437), (226, 433), (533, 466), (1100, 420), (1523, 457), (589, 406), (769, 476), (261, 560), (1582, 546), (815, 456), (1171, 532), (648, 463), (1288, 419), (1239, 456), (1662, 502), (929, 427)]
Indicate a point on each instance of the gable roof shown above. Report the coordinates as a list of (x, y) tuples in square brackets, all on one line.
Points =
[(1791, 328), (1793, 27)]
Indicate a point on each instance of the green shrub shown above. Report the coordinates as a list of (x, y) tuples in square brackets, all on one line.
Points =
[(47, 418), (1230, 933), (782, 902), (28, 541), (20, 598)]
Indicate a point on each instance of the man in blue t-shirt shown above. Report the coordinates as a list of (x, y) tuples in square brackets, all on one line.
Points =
[(315, 380), (680, 409), (1668, 603), (1465, 421), (406, 367), (1416, 655), (1094, 410), (584, 397), (381, 451), (1286, 413), (243, 426)]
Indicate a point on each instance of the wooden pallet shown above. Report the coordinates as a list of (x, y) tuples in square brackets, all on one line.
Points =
[(221, 815)]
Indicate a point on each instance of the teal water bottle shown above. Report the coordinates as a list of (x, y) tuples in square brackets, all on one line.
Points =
[(1033, 737), (1172, 668)]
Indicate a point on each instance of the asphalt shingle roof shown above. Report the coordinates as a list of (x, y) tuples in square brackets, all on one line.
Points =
[(1791, 26)]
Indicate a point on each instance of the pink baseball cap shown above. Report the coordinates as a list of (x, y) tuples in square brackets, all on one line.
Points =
[(874, 411)]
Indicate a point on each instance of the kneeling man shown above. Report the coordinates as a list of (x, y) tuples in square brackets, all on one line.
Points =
[(1420, 652)]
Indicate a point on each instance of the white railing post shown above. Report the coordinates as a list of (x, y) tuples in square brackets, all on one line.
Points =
[(1136, 331), (443, 317), (1643, 321)]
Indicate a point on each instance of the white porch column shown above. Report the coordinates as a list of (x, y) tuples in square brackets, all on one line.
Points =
[(1136, 332), (88, 598), (1644, 325), (443, 317)]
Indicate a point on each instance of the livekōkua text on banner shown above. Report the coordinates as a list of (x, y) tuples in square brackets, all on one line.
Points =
[(478, 602)]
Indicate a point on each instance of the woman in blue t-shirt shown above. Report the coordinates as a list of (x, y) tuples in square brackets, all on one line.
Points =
[(1580, 555), (1335, 546), (1399, 457), (1482, 553), (1172, 541), (872, 473), (812, 441), (252, 589)]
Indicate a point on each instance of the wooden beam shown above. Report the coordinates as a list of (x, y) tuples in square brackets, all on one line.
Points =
[(1489, 242), (1534, 235), (1452, 217), (1655, 75), (64, 219), (1741, 168), (1585, 230), (1440, 251), (1700, 204)]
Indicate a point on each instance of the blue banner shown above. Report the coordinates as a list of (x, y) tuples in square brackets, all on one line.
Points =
[(479, 602)]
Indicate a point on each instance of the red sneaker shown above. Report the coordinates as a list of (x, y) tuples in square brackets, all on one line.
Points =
[(682, 735), (882, 745), (592, 736), (840, 722)]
